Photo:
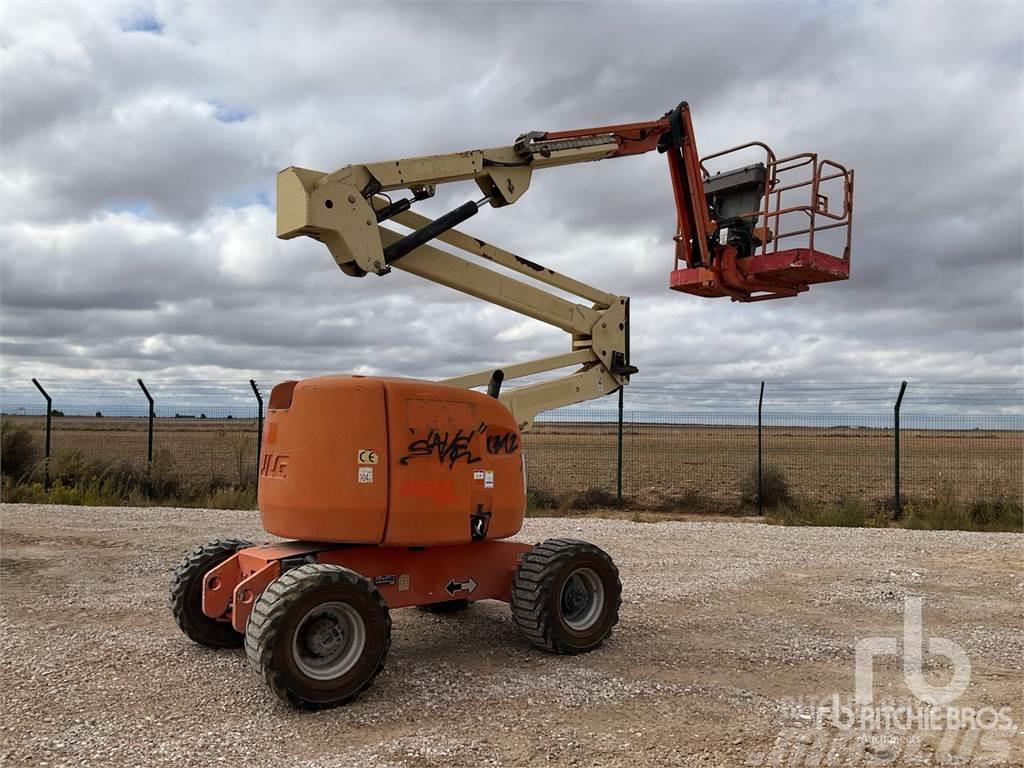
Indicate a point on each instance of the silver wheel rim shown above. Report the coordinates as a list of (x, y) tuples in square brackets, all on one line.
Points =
[(582, 599), (328, 640)]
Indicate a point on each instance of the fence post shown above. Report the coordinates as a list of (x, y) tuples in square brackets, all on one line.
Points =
[(760, 501), (618, 464), (259, 426), (46, 442), (896, 432), (149, 443)]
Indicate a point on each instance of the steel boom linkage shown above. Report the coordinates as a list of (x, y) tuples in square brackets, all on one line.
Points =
[(346, 211)]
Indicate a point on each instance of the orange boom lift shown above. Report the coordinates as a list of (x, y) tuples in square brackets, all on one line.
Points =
[(394, 493)]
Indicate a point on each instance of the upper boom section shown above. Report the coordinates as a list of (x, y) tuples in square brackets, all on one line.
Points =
[(343, 210)]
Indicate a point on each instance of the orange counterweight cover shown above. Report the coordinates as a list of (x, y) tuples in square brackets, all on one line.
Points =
[(369, 460)]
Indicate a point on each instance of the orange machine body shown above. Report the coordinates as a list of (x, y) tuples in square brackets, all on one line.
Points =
[(394, 462)]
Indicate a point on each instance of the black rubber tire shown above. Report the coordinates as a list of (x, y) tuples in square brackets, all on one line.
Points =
[(276, 616), (185, 596), (537, 590), (448, 606)]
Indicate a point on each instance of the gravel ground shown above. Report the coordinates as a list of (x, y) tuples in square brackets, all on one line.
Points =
[(725, 629)]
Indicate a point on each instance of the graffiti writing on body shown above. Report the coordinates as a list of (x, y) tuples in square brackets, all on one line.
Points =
[(451, 448), (502, 443)]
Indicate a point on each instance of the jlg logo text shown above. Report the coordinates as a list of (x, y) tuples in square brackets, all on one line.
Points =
[(274, 465)]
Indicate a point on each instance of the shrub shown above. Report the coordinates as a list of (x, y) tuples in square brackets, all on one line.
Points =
[(161, 480), (592, 498), (793, 513), (242, 448), (848, 513), (71, 468), (13, 492), (997, 515), (125, 474), (942, 513), (96, 492), (158, 482), (945, 512), (688, 501), (774, 487), (18, 455), (539, 498), (243, 497)]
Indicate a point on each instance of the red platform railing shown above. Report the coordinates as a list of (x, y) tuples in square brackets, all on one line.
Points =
[(817, 204), (786, 261)]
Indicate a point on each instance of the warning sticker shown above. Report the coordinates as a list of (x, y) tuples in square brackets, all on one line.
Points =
[(366, 456), (366, 474), (489, 478)]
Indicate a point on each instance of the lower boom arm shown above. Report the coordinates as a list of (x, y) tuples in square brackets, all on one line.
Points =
[(599, 329)]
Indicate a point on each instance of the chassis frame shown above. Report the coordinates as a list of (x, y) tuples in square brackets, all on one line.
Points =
[(404, 576)]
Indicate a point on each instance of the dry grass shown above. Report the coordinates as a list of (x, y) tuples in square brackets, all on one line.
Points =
[(661, 462), (199, 449), (688, 468)]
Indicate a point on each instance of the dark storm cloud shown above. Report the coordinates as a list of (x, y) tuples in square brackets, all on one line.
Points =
[(139, 144)]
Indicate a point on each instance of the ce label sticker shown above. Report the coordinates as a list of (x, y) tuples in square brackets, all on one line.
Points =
[(366, 456)]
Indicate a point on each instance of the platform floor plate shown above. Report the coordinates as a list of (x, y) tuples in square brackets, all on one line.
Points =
[(786, 269)]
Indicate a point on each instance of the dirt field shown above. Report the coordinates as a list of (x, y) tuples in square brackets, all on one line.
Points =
[(661, 463), (729, 633), (820, 463), (196, 448)]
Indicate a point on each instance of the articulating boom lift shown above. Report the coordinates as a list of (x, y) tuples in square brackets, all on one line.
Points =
[(399, 492)]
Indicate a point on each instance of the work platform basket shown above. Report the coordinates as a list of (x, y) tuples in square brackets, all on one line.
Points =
[(782, 225)]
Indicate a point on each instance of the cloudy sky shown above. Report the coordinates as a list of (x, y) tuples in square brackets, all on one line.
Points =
[(140, 142)]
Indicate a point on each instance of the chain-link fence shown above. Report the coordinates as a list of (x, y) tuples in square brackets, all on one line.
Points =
[(199, 447), (658, 459), (709, 461)]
